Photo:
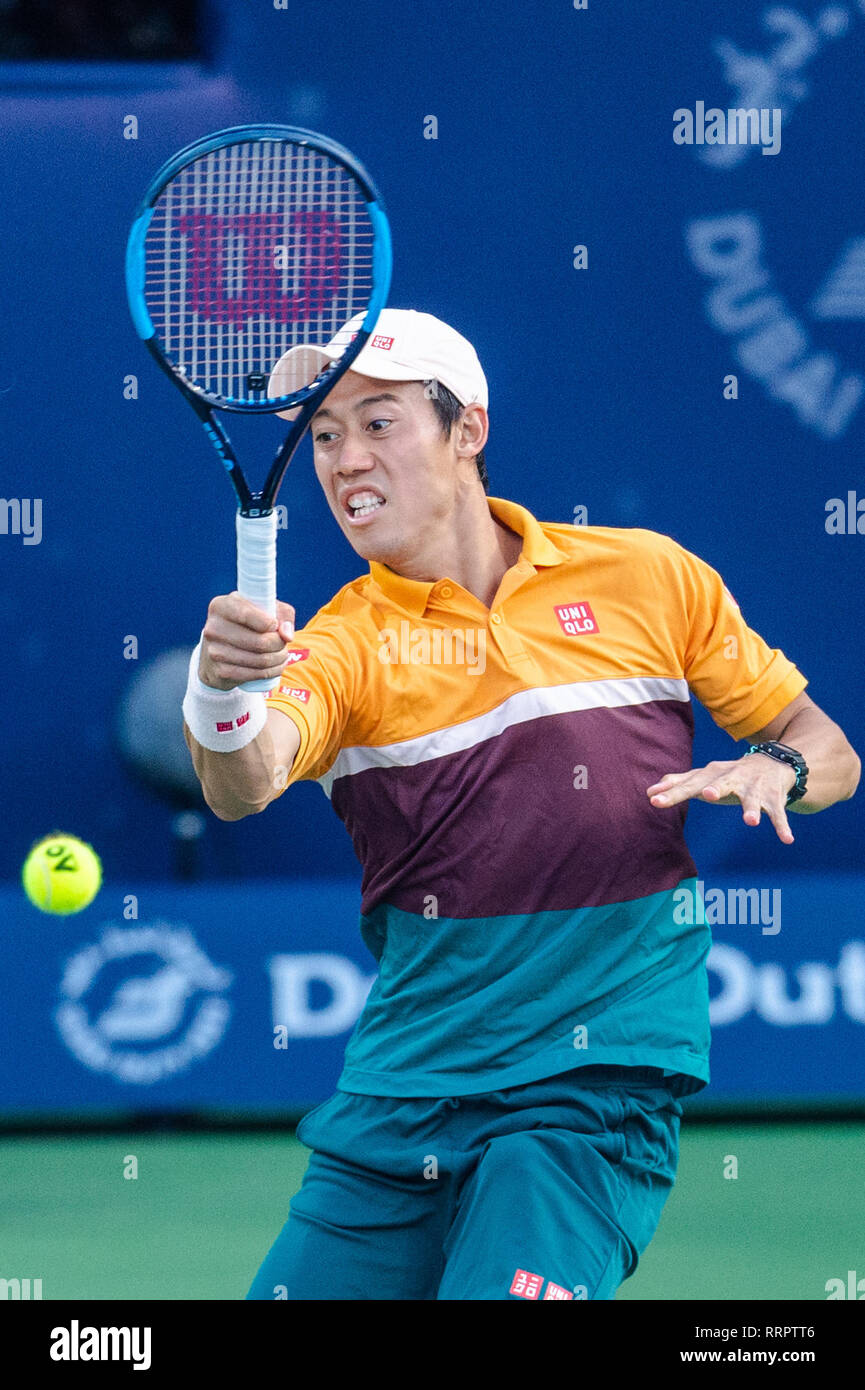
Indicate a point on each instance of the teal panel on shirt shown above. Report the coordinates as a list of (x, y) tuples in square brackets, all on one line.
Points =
[(463, 1006)]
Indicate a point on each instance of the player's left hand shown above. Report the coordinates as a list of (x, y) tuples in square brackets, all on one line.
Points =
[(755, 782)]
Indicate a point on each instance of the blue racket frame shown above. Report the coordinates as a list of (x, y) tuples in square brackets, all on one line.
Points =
[(258, 503), (256, 520)]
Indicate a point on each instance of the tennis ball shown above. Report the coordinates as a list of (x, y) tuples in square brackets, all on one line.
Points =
[(61, 874)]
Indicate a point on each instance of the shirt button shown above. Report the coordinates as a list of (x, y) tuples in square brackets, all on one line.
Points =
[(495, 617), (446, 591)]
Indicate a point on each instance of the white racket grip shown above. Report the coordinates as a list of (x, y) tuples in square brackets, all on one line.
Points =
[(256, 571)]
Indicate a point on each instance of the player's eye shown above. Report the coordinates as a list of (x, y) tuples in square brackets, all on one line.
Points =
[(323, 436), (378, 422)]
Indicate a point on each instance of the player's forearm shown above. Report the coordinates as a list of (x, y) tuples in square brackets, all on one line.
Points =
[(236, 784), (833, 766)]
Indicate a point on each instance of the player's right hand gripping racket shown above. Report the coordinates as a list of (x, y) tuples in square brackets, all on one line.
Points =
[(248, 243)]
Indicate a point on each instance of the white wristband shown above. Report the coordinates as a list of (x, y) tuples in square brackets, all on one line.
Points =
[(222, 720)]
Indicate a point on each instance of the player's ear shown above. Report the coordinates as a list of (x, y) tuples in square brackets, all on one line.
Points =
[(473, 428)]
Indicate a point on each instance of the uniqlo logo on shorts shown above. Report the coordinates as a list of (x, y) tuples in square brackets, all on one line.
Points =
[(297, 654), (556, 1291), (577, 619), (380, 341), (526, 1285), (295, 691)]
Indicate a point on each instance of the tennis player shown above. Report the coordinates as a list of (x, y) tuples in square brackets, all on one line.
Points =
[(499, 711)]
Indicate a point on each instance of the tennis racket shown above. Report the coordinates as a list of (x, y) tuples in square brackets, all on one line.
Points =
[(248, 243)]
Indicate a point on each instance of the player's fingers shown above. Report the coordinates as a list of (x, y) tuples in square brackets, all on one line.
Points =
[(777, 813), (226, 631), (719, 788), (236, 608), (285, 616), (228, 673), (723, 782), (225, 637), (669, 779), (227, 660), (752, 808), (679, 787)]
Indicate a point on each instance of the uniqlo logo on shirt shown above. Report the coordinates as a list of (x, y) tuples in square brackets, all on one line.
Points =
[(295, 691), (380, 341), (556, 1291), (526, 1285), (577, 619), (297, 654)]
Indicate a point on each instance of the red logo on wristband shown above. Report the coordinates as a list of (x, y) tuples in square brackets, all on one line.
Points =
[(243, 718), (225, 728)]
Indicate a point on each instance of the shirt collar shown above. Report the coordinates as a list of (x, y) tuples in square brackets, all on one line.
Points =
[(537, 549)]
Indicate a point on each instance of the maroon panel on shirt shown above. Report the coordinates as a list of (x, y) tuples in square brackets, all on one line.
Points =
[(501, 828)]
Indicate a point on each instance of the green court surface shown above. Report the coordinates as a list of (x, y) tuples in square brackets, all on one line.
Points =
[(204, 1208)]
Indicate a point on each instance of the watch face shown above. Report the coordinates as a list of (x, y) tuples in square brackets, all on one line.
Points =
[(785, 751)]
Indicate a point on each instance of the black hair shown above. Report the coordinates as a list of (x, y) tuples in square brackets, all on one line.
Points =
[(449, 410)]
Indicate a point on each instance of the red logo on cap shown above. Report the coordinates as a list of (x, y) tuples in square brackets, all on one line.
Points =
[(380, 341)]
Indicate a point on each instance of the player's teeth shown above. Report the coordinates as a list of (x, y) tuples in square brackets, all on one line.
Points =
[(366, 507)]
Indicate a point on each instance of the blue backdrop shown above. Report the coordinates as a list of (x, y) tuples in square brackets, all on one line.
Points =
[(554, 130)]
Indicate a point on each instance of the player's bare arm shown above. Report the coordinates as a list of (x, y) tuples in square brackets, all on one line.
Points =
[(759, 783), (240, 642)]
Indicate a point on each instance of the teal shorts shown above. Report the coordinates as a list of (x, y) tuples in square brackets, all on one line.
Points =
[(546, 1191)]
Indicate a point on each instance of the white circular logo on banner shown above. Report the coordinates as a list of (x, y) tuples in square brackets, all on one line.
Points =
[(140, 1019)]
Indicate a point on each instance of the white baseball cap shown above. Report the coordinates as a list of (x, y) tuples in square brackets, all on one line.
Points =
[(406, 346)]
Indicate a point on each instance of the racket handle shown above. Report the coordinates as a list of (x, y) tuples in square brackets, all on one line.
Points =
[(256, 571)]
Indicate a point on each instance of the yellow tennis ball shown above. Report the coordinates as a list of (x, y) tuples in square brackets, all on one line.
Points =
[(61, 874)]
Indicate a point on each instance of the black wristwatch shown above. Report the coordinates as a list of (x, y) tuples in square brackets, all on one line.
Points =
[(783, 754)]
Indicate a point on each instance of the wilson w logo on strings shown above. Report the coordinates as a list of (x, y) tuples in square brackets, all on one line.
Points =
[(248, 264)]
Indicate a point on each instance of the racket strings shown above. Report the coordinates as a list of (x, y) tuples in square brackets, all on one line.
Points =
[(253, 249)]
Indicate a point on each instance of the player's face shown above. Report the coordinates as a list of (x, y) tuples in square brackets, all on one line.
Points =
[(389, 474)]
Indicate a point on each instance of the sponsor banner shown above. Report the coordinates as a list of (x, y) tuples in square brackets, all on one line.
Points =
[(225, 996), (243, 997)]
